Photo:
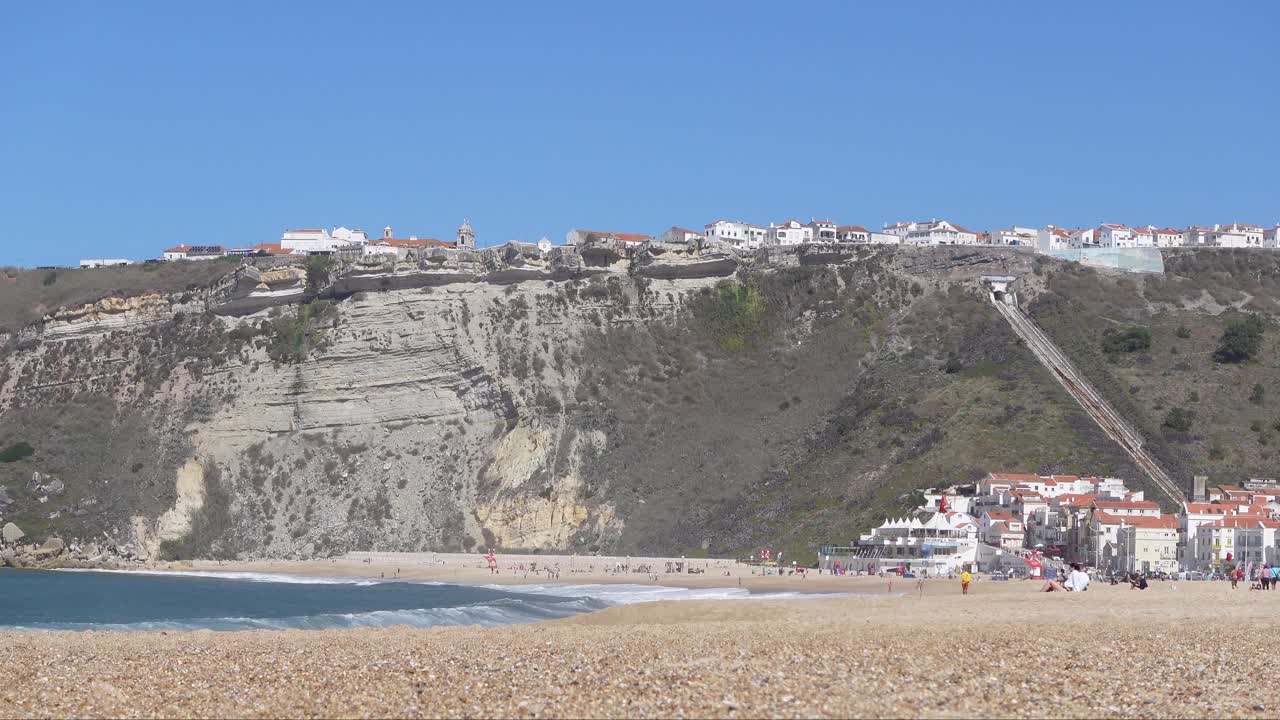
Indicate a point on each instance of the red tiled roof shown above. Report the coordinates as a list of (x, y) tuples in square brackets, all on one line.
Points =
[(851, 228), (1208, 508), (271, 249), (1165, 522), (1108, 519), (179, 249), (1000, 515), (1127, 504)]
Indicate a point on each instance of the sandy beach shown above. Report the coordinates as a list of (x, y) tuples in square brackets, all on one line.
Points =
[(1182, 649)]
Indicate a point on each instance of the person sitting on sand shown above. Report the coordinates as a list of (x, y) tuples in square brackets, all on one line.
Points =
[(1137, 581)]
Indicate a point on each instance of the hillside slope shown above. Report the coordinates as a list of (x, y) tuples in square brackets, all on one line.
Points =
[(624, 405)]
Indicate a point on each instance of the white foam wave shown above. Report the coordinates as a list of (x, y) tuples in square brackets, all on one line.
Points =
[(250, 576), (499, 612)]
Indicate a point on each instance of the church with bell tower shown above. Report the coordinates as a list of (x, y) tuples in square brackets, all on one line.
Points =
[(466, 236)]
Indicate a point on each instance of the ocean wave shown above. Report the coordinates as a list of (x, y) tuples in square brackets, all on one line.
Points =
[(505, 611), (249, 576), (621, 594)]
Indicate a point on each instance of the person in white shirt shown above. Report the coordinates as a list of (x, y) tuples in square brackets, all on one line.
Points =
[(1079, 580)]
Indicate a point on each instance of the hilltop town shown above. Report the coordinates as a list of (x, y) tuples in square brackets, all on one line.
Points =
[(1018, 523), (747, 236)]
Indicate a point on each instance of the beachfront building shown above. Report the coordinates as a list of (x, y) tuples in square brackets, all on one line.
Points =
[(1238, 540), (1148, 544), (349, 237), (1003, 530), (943, 543), (1144, 237), (309, 240), (790, 232)]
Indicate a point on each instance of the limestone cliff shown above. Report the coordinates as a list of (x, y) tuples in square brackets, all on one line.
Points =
[(669, 398)]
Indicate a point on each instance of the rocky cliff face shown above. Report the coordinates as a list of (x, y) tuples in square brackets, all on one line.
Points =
[(590, 400)]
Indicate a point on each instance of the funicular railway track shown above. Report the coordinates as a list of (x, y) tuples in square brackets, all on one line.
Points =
[(1100, 410)]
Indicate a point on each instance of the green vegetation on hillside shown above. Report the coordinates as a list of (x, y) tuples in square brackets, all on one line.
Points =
[(1132, 339), (1241, 339), (16, 452), (209, 525), (733, 315)]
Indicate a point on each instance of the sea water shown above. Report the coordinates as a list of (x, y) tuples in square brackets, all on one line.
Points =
[(162, 600)]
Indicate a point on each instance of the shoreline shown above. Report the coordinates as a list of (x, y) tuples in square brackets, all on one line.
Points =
[(1182, 649)]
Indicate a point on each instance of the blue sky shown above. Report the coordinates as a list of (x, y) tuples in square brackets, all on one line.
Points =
[(129, 127)]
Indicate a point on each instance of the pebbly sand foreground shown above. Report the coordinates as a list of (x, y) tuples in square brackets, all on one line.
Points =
[(1176, 650)]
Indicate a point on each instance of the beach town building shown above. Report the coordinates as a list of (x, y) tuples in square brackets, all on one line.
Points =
[(1236, 540), (1002, 530), (1085, 238), (350, 237), (1147, 544), (309, 240), (943, 543), (1271, 237), (1144, 237), (194, 252), (790, 232)]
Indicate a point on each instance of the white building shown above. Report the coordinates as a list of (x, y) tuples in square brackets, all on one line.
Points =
[(1215, 237), (1144, 237), (309, 240), (1166, 237), (821, 230), (351, 237), (194, 252), (628, 240), (940, 232), (1050, 238), (1112, 235), (1016, 236), (790, 232), (1148, 544), (1086, 238), (104, 262), (942, 544), (740, 234), (681, 235), (1236, 540), (1253, 234), (1271, 237), (854, 234)]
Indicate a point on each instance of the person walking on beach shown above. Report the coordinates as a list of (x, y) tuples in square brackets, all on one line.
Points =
[(965, 578), (1264, 577)]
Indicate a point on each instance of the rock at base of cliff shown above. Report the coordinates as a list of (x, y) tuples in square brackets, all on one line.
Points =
[(11, 533)]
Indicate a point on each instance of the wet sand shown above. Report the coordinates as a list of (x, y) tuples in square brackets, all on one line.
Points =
[(1176, 650)]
